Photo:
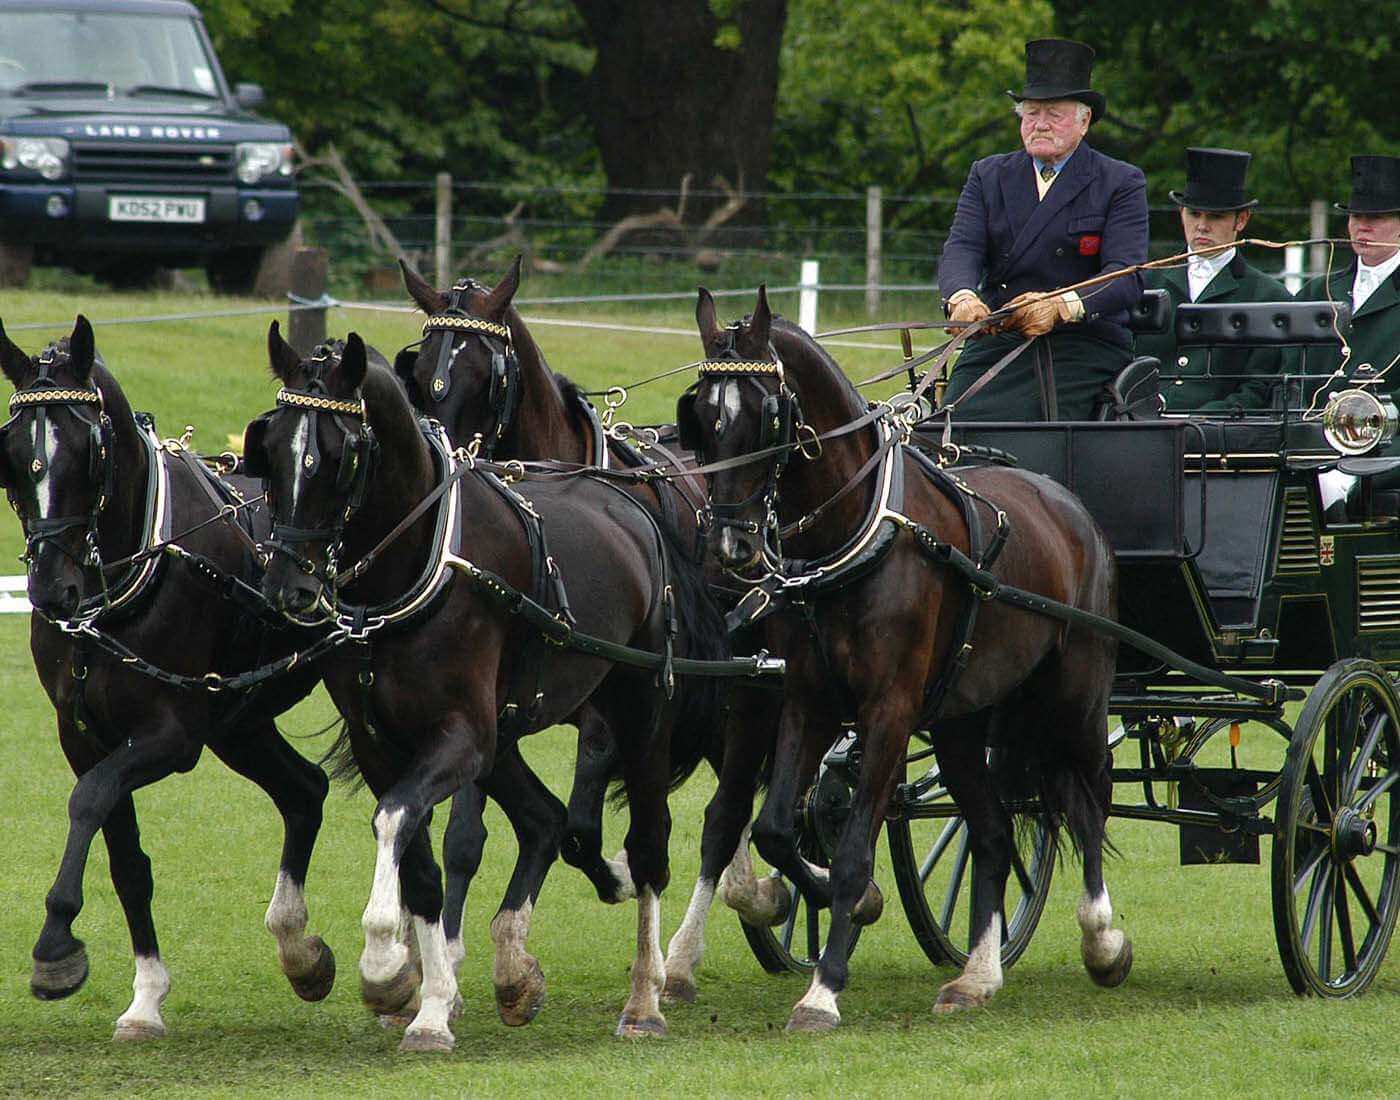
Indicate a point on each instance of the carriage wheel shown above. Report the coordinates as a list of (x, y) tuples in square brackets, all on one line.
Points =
[(795, 946), (932, 865), (1336, 856)]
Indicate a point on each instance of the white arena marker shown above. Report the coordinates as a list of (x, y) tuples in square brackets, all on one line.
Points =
[(13, 598), (807, 299)]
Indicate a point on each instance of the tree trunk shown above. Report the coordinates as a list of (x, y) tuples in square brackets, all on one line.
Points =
[(666, 101)]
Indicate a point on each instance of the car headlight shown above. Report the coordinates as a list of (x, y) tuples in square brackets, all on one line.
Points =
[(46, 156), (259, 159), (1356, 422)]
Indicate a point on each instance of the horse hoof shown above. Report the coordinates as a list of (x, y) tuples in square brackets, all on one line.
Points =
[(870, 907), (137, 1031), (680, 990), (425, 1041), (520, 1002), (1116, 972), (953, 999), (316, 983), (807, 1018), (52, 981), (387, 998), (648, 1027)]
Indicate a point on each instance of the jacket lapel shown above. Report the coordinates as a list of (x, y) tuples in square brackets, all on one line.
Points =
[(1383, 297), (1223, 283), (1074, 177), (1018, 192)]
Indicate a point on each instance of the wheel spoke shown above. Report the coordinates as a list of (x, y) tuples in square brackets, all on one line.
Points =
[(1380, 787), (1023, 876), (940, 846), (1363, 898), (1363, 756), (1324, 929), (1339, 895), (796, 902), (1319, 793), (1310, 910), (950, 899), (1316, 856)]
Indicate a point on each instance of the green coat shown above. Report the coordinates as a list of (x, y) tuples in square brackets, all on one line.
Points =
[(1190, 390), (1374, 334)]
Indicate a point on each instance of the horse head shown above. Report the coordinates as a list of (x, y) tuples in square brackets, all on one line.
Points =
[(465, 372), (315, 455), (740, 405), (56, 465)]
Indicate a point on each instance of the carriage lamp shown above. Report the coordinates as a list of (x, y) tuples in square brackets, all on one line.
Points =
[(259, 159), (46, 156), (1356, 422)]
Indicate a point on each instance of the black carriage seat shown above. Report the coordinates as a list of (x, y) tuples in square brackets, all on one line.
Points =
[(1135, 392)]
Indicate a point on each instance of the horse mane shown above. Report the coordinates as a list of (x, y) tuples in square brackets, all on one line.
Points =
[(793, 343)]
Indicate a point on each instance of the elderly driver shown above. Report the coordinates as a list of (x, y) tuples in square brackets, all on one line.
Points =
[(1054, 214)]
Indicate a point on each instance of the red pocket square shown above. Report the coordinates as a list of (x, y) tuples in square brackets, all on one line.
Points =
[(1089, 244)]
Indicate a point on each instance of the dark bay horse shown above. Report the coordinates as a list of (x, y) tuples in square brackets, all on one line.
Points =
[(479, 371), (92, 485), (872, 649), (346, 461)]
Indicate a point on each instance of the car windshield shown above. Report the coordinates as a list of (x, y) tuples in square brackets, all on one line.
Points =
[(54, 53)]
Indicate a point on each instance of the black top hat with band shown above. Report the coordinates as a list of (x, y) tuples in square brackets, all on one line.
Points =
[(1058, 68), (1215, 181), (1375, 186)]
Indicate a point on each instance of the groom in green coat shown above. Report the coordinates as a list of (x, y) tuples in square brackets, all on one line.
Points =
[(1215, 208)]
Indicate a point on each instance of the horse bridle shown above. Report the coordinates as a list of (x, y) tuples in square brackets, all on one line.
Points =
[(40, 395), (357, 461), (781, 417), (505, 386)]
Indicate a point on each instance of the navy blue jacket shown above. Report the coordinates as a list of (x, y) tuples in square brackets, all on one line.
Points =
[(1006, 241)]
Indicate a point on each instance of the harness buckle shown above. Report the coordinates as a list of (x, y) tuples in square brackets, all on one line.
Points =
[(812, 439)]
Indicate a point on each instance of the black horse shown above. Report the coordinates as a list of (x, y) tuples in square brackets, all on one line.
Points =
[(430, 689), (877, 633), (479, 371), (92, 485)]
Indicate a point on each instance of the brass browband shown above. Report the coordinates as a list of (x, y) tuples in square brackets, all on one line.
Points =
[(296, 399), (22, 398), (442, 322), (739, 366)]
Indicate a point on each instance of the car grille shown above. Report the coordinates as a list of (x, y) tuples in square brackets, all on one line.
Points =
[(153, 162)]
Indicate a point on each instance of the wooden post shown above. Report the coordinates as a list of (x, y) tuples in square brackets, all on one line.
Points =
[(443, 240), (307, 327), (807, 297), (1318, 253), (873, 233)]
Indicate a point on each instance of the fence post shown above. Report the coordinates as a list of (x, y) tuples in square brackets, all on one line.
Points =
[(443, 240), (1293, 268), (1317, 211), (873, 232), (307, 327), (807, 299)]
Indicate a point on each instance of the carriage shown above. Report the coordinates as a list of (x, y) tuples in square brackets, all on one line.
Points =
[(1251, 600)]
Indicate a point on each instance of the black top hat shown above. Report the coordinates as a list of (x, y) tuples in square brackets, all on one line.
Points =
[(1375, 186), (1215, 181), (1057, 68)]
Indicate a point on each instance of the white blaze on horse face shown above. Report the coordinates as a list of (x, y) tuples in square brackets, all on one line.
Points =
[(733, 401), (1101, 943), (383, 956), (286, 919), (43, 490), (301, 440), (150, 987), (439, 989)]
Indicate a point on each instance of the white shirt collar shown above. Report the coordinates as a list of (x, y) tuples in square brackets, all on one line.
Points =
[(1200, 270), (1377, 275)]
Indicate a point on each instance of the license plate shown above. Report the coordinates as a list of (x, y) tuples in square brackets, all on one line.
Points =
[(152, 208)]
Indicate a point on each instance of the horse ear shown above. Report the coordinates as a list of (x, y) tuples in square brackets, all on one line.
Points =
[(425, 296), (281, 356), (761, 323), (353, 361), (706, 317), (498, 301), (82, 348), (13, 361)]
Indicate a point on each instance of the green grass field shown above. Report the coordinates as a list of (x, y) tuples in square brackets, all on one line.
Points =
[(1207, 1010)]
